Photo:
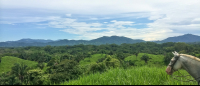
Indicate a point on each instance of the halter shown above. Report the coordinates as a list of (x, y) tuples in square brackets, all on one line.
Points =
[(172, 65), (174, 61)]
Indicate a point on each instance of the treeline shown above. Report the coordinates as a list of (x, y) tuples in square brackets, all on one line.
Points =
[(62, 62)]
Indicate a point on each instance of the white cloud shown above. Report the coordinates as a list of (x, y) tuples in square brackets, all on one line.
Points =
[(94, 18), (68, 15), (13, 20), (170, 17), (98, 7), (86, 30), (119, 24)]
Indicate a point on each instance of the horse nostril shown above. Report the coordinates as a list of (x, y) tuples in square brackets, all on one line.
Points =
[(167, 71)]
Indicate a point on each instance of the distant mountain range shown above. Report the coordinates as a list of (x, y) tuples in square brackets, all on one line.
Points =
[(184, 38), (102, 40), (28, 40)]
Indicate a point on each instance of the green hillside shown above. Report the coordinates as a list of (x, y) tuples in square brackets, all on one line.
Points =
[(8, 61), (92, 59), (155, 59), (134, 76)]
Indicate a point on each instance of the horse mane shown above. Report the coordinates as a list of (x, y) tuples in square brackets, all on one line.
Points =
[(190, 56)]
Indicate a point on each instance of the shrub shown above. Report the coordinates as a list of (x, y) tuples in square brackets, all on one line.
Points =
[(37, 77), (111, 62), (64, 71), (145, 57), (97, 67)]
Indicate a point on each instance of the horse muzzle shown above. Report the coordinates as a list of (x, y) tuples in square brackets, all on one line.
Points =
[(169, 70)]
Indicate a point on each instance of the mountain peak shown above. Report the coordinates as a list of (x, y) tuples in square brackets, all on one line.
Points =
[(183, 38)]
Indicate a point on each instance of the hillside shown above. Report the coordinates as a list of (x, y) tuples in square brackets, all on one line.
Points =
[(91, 59), (115, 39), (8, 61), (154, 59)]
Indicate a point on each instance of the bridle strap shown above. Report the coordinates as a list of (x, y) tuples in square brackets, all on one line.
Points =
[(176, 58), (198, 81), (183, 76)]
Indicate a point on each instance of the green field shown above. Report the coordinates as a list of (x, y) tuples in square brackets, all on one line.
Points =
[(155, 59), (92, 59), (8, 61), (134, 76)]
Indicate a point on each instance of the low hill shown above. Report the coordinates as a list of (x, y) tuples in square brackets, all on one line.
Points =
[(8, 62), (115, 39)]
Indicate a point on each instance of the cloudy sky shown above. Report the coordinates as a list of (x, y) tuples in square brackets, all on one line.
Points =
[(90, 19)]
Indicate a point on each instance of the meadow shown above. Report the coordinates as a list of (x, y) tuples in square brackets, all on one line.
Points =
[(155, 60), (8, 62), (92, 59)]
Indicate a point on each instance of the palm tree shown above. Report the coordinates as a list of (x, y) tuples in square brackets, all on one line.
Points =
[(19, 70)]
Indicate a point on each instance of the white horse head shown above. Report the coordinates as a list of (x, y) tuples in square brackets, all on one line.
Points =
[(190, 63), (174, 64)]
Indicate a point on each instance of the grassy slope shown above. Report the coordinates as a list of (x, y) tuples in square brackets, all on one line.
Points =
[(134, 76), (155, 59), (8, 61), (92, 59)]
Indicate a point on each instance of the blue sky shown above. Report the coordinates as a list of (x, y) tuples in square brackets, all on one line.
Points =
[(88, 19)]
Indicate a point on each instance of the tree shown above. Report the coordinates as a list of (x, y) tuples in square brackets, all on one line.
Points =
[(48, 48), (121, 55), (180, 46), (97, 67), (136, 54), (51, 62), (64, 71), (167, 58), (145, 57), (37, 77), (111, 62), (41, 65), (9, 79), (19, 70)]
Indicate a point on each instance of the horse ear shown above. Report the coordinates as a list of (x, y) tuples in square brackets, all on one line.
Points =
[(173, 53), (177, 53)]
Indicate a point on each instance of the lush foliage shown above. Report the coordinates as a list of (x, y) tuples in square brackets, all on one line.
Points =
[(59, 64)]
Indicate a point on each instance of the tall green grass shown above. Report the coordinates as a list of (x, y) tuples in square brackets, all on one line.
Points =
[(134, 76), (8, 62)]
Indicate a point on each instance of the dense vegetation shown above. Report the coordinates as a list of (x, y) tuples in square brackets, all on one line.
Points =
[(60, 64)]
